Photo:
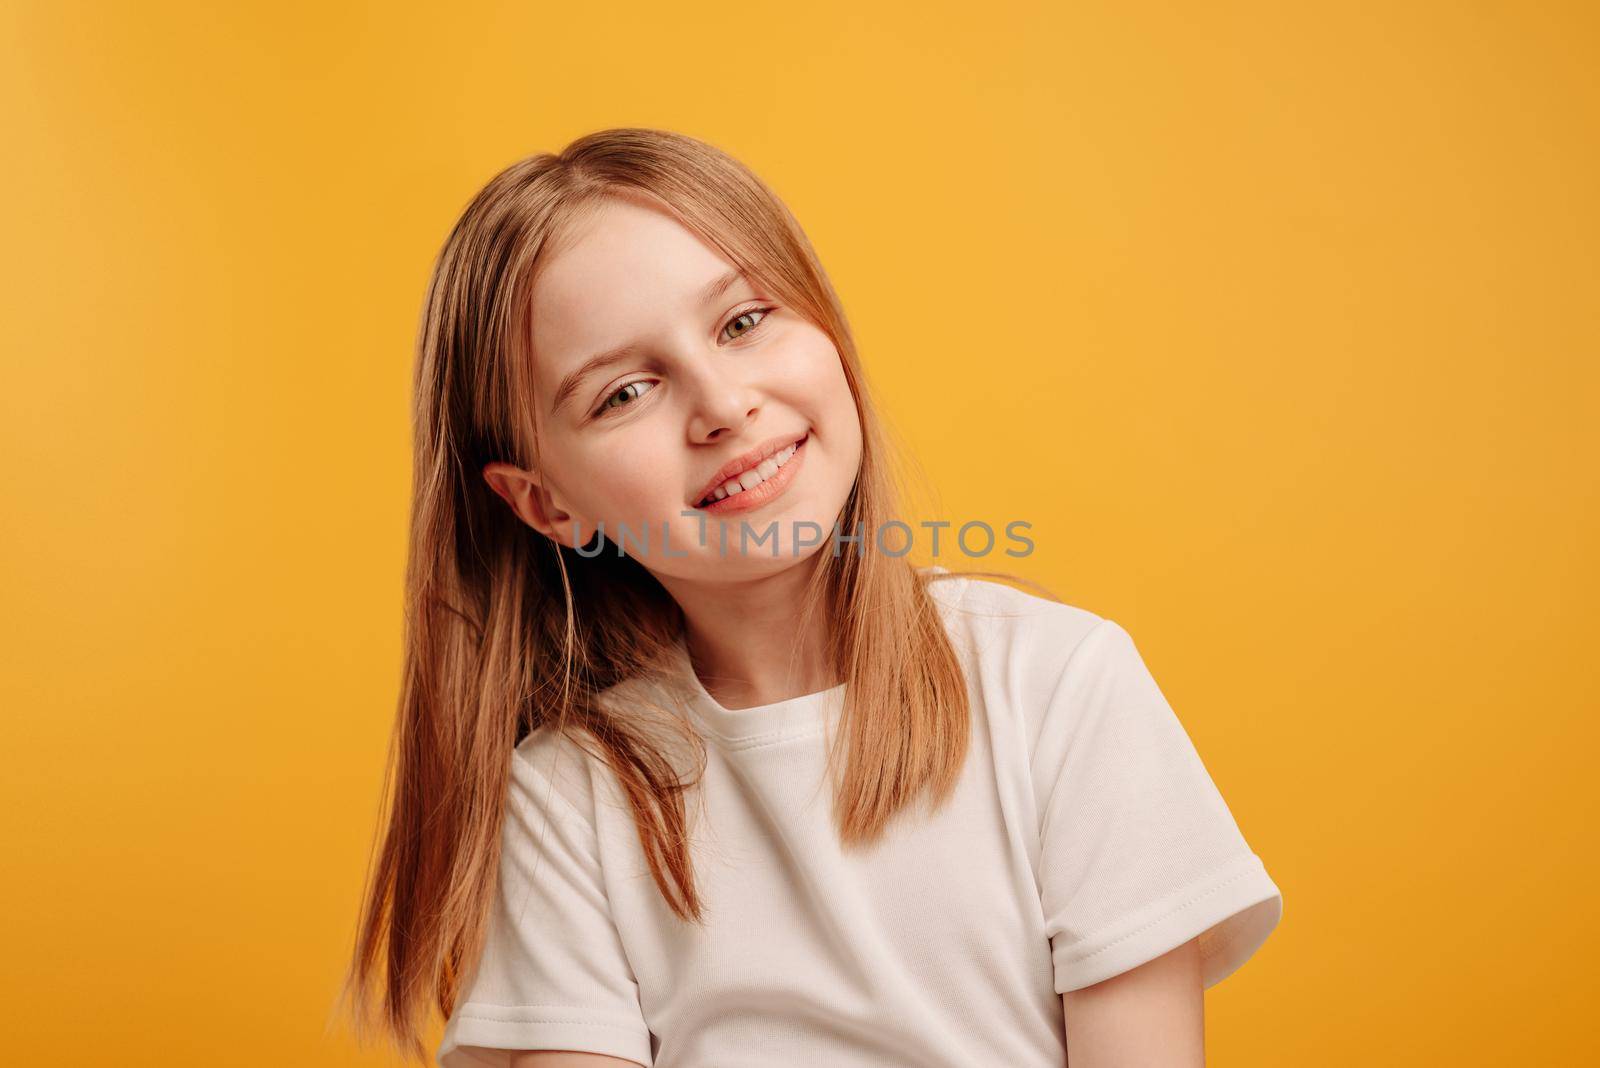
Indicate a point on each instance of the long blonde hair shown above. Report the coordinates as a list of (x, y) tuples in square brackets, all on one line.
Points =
[(508, 632)]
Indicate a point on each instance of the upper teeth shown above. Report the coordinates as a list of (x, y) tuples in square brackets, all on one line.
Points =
[(755, 476)]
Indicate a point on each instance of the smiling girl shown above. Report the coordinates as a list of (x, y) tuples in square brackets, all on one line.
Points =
[(702, 802)]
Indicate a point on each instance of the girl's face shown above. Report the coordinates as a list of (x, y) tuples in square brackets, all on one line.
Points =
[(662, 374)]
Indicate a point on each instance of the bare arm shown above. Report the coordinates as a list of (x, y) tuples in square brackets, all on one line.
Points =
[(1152, 1015), (563, 1058)]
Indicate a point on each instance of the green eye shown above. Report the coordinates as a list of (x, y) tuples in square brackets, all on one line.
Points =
[(762, 312), (622, 392)]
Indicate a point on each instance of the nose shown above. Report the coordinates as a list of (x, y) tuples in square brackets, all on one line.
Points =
[(723, 403)]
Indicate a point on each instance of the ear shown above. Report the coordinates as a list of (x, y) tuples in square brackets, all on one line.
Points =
[(529, 499)]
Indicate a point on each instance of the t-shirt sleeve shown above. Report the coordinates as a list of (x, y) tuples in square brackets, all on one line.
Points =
[(1138, 851), (553, 974)]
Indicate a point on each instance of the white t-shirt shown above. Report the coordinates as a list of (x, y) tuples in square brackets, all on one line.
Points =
[(1085, 838)]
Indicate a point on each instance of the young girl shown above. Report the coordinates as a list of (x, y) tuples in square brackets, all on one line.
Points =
[(666, 794)]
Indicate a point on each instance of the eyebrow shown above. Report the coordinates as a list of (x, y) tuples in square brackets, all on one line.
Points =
[(601, 360)]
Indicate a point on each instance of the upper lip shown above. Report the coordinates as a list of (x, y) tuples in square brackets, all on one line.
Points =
[(745, 461)]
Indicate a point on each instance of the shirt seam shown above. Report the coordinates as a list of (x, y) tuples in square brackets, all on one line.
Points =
[(784, 734), (488, 1018), (766, 739), (1042, 805), (1166, 916)]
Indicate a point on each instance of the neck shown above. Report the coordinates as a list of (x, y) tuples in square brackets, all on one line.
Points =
[(746, 638)]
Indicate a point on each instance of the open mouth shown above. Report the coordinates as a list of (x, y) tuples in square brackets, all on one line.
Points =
[(748, 480)]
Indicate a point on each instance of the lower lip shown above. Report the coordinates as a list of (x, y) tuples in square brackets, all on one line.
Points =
[(751, 499)]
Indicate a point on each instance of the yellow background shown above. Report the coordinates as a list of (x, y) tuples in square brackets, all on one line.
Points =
[(1278, 321)]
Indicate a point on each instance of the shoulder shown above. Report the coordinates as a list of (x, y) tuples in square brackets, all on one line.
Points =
[(567, 768), (1046, 666), (551, 771), (1030, 631)]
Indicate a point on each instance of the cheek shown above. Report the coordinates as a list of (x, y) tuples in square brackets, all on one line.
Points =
[(633, 476), (824, 397), (620, 482), (818, 372), (831, 388)]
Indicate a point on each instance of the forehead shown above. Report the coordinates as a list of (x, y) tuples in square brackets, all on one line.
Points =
[(623, 272)]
